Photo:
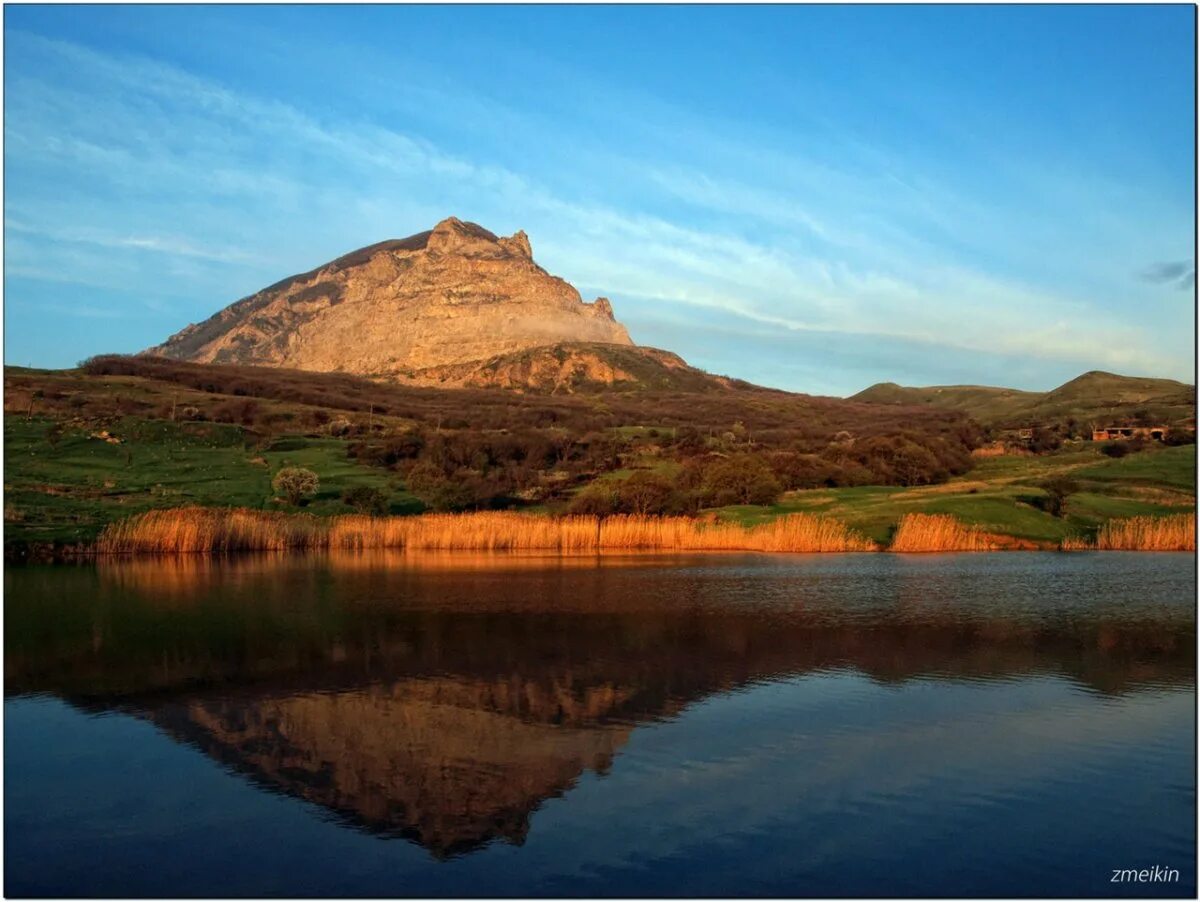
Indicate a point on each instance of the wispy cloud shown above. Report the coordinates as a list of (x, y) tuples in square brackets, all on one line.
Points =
[(174, 175), (161, 244), (1179, 274)]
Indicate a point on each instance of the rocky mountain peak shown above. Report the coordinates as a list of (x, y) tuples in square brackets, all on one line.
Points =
[(454, 236), (451, 295), (518, 244), (603, 307)]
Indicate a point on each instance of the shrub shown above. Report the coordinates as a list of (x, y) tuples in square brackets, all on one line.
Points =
[(741, 479), (1115, 449), (1044, 440), (296, 483), (339, 426), (1176, 437), (366, 500), (646, 493), (596, 500), (1057, 490), (458, 491)]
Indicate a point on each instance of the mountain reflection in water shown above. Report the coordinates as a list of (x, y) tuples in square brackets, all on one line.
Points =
[(443, 698)]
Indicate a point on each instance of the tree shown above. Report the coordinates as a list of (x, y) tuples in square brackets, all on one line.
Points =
[(1057, 491), (1044, 439), (688, 440), (440, 492), (54, 432), (646, 493), (741, 479), (366, 500), (599, 499), (296, 483)]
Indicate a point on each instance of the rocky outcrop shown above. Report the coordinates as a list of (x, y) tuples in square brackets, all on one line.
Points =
[(448, 296)]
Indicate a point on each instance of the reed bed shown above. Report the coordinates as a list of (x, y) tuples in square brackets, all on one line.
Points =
[(939, 532), (216, 530), (191, 530), (1176, 532)]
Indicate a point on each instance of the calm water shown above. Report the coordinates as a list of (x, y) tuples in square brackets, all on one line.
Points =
[(1011, 724)]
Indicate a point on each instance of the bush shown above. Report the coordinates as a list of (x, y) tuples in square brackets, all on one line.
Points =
[(596, 500), (1115, 449), (296, 483), (1057, 490), (457, 491), (366, 500), (741, 479), (1176, 437), (646, 493), (1044, 440)]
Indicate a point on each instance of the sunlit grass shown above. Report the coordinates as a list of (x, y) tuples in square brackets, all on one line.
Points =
[(215, 530), (938, 532), (1174, 533)]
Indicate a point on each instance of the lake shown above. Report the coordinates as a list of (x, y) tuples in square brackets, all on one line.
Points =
[(463, 725)]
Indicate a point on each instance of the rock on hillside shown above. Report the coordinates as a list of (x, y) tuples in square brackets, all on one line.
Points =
[(448, 296)]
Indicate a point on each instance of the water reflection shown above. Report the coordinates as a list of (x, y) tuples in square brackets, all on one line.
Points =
[(444, 698)]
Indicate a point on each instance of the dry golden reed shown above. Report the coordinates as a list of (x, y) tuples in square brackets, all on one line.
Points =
[(1176, 532), (215, 530), (938, 532)]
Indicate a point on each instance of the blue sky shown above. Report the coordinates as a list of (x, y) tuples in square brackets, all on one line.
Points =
[(815, 198)]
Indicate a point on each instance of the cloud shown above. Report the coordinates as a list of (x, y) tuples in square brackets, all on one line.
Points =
[(173, 180), (1180, 273), (162, 244)]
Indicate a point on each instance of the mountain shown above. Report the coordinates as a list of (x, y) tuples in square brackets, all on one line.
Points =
[(434, 308), (1095, 396)]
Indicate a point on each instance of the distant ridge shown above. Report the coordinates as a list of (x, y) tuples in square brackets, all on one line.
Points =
[(1093, 396)]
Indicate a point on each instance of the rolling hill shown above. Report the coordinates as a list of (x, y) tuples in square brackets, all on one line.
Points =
[(1095, 397)]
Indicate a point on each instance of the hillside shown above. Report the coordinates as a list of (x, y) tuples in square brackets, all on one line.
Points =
[(454, 294), (1094, 398), (572, 367), (123, 435), (126, 434)]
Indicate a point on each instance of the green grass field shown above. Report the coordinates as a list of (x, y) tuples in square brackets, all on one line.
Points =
[(999, 495), (66, 490)]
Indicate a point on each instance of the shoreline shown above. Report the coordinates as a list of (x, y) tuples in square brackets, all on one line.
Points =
[(227, 531), (46, 553)]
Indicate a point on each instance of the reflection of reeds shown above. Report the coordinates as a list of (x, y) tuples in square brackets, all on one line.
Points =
[(192, 529), (938, 532), (1176, 532)]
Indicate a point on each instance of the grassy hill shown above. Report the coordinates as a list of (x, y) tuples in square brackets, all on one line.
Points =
[(1096, 397), (1001, 495), (120, 436), (123, 435)]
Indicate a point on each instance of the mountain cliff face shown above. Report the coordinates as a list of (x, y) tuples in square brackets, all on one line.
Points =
[(445, 297)]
